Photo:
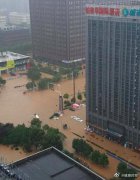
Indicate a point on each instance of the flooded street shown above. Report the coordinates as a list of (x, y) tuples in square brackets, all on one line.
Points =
[(18, 108), (8, 155)]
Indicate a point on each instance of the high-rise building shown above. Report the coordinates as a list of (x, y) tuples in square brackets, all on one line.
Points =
[(58, 32), (58, 29), (113, 72), (14, 36)]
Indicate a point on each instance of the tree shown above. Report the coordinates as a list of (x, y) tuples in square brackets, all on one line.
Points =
[(131, 171), (82, 147), (103, 160), (30, 85), (67, 103), (27, 146), (66, 96), (34, 73), (36, 123), (79, 96), (5, 129), (33, 137), (52, 138), (73, 100), (43, 83), (18, 136), (36, 135), (122, 168), (2, 81), (94, 156), (45, 128), (57, 78)]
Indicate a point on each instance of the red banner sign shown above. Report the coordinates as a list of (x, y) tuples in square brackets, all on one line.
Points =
[(103, 11)]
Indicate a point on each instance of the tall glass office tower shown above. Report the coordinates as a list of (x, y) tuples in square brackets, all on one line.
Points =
[(113, 72)]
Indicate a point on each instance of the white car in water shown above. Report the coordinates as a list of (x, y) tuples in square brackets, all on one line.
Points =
[(36, 116), (73, 117), (55, 118), (77, 118)]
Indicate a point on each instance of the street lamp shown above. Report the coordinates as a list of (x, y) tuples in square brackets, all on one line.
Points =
[(73, 75), (73, 78)]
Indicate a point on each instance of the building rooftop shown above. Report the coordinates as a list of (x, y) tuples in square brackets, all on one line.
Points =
[(8, 56), (52, 164)]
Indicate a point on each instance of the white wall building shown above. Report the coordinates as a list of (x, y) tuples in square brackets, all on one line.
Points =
[(3, 20), (16, 18)]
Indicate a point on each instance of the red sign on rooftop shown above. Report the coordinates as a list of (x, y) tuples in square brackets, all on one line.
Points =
[(103, 11)]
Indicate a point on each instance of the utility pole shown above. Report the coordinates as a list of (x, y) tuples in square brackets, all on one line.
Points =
[(73, 79)]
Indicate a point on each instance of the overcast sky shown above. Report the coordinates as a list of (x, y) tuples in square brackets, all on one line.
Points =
[(23, 5), (15, 5)]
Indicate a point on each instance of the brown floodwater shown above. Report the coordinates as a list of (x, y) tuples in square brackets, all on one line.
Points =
[(18, 108)]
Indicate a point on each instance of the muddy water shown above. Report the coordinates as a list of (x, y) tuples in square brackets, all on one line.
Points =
[(8, 155), (18, 108)]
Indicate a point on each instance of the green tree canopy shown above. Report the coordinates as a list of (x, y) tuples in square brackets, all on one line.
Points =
[(86, 150), (79, 96), (52, 138), (36, 136), (66, 96), (57, 77), (36, 123), (45, 128), (73, 100), (103, 160), (122, 168), (30, 85), (34, 73), (82, 147), (94, 156), (2, 81), (43, 83), (33, 137)]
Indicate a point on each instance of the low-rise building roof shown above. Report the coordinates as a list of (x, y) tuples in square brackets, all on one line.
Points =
[(52, 164)]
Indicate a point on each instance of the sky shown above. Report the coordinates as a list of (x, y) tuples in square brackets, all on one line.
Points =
[(23, 5), (15, 5)]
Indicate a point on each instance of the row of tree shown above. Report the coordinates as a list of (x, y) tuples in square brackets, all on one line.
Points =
[(23, 48), (37, 82), (84, 149), (61, 71), (68, 101), (43, 83), (34, 74), (79, 96), (34, 137)]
